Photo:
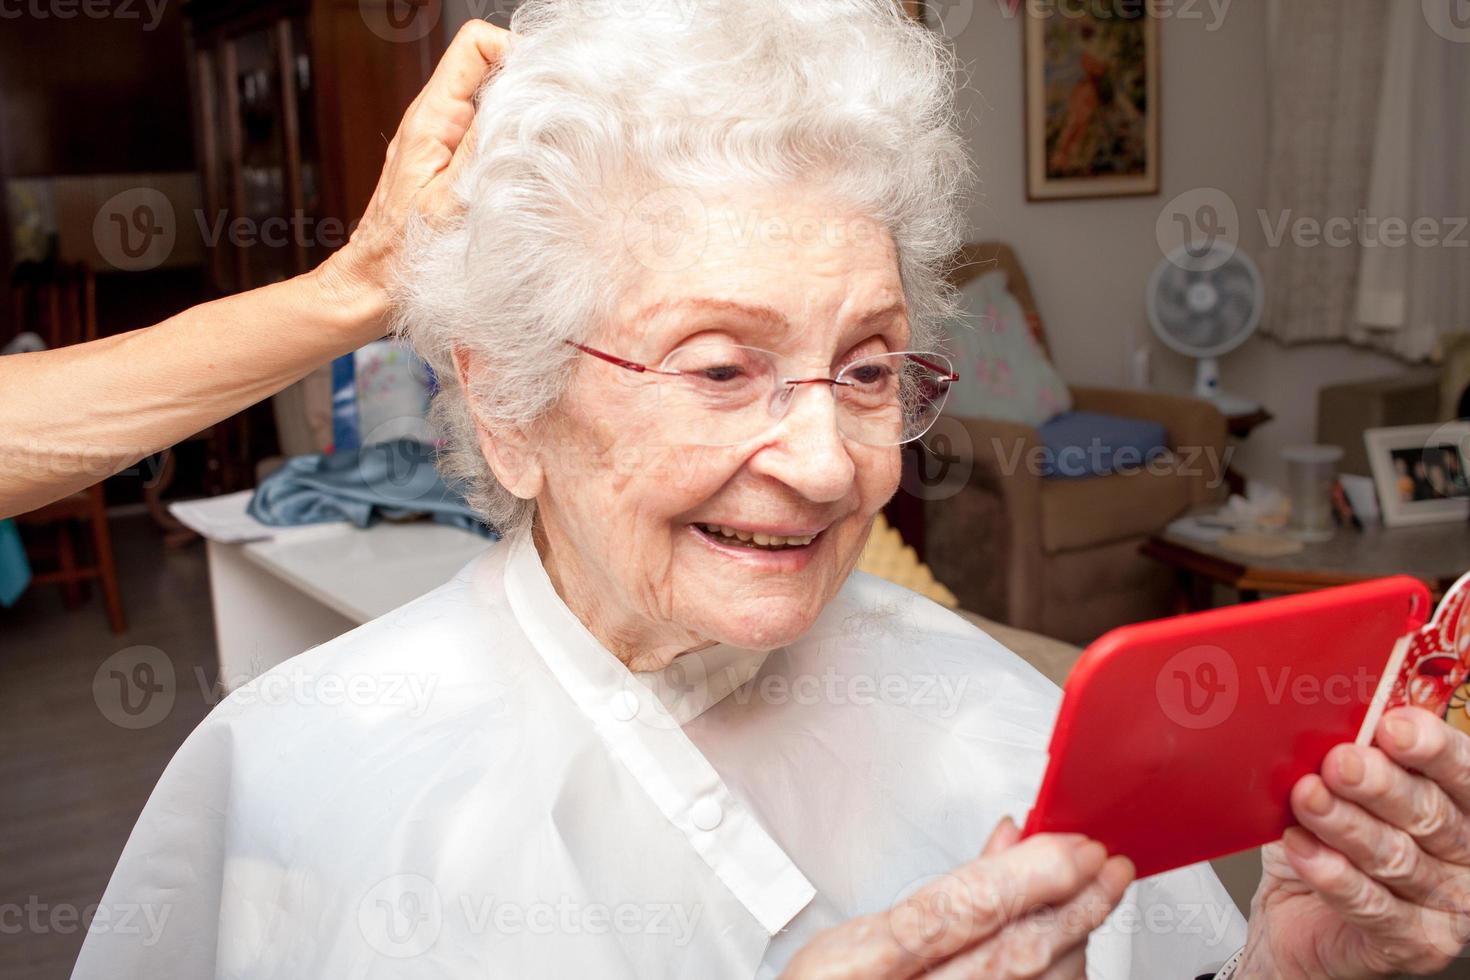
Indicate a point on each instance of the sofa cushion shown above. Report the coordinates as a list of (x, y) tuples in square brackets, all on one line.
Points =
[(1004, 374), (1084, 444), (1085, 513)]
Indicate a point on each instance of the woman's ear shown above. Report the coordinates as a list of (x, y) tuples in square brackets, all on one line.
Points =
[(507, 449)]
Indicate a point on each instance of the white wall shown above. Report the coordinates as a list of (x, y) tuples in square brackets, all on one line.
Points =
[(1089, 260)]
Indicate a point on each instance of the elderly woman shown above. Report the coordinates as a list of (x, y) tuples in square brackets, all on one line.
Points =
[(662, 728)]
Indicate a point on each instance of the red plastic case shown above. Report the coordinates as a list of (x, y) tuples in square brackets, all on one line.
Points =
[(1179, 740)]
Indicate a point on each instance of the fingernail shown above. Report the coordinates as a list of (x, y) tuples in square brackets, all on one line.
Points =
[(1090, 855), (1118, 871), (1401, 731), (1300, 843), (1317, 799), (1349, 767)]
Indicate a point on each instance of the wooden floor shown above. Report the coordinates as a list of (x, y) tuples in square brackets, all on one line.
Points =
[(72, 782)]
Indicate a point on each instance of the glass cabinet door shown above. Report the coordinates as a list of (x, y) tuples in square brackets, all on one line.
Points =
[(266, 237)]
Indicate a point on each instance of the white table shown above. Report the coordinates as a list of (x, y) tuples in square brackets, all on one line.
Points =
[(277, 592)]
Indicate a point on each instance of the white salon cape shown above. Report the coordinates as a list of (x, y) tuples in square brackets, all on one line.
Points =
[(472, 786)]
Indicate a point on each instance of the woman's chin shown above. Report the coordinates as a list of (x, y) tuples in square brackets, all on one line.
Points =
[(765, 626)]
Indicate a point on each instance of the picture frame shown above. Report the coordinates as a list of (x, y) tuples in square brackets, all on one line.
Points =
[(1091, 91), (1422, 472)]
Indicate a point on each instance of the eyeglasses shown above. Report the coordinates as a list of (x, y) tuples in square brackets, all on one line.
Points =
[(719, 394)]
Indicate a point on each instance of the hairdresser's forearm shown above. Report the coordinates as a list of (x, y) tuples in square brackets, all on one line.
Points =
[(71, 417)]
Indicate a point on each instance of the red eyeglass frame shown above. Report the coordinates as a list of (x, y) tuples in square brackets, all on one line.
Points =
[(622, 362)]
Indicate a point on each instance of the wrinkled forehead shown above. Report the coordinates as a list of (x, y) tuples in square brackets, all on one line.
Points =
[(780, 268)]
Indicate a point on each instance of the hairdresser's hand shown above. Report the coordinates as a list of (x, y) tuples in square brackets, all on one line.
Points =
[(430, 148), (1019, 910), (1376, 881)]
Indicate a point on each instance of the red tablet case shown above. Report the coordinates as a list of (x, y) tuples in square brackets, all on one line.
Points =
[(1179, 740)]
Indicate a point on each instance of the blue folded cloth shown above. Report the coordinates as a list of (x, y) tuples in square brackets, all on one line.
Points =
[(1080, 444), (389, 479), (15, 571)]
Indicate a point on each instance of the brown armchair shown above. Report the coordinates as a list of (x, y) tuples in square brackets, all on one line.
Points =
[(1060, 556)]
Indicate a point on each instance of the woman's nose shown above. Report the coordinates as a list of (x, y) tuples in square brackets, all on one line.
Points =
[(805, 450)]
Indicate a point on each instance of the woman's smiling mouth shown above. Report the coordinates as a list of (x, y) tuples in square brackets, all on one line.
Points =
[(738, 538)]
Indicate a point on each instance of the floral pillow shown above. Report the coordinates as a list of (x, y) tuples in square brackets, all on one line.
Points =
[(1004, 374)]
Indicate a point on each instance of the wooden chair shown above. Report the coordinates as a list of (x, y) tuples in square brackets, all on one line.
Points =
[(58, 301)]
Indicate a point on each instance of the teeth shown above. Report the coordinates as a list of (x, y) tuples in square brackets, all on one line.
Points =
[(758, 540)]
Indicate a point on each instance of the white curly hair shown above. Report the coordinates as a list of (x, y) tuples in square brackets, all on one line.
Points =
[(598, 105)]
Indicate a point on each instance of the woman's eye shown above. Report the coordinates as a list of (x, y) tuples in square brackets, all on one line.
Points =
[(869, 374), (726, 372)]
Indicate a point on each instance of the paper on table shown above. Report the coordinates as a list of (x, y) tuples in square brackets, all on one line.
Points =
[(224, 519)]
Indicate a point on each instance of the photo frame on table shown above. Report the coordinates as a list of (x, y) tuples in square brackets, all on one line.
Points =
[(1422, 472), (1091, 102)]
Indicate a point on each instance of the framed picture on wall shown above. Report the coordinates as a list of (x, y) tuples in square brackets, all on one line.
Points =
[(1092, 101), (1421, 471)]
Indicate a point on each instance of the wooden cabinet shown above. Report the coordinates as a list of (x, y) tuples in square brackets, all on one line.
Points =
[(295, 103)]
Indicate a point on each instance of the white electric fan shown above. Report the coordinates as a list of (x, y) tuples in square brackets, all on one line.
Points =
[(1204, 301)]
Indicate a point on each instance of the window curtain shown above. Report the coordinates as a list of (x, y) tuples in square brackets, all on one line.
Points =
[(1363, 127)]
